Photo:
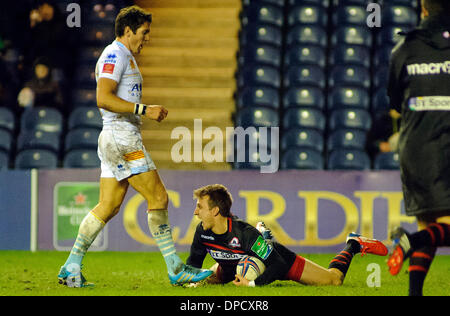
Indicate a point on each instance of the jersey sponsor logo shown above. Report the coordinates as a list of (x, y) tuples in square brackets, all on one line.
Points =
[(110, 59), (430, 103), (207, 237), (428, 68), (108, 68), (262, 248), (221, 255), (234, 243)]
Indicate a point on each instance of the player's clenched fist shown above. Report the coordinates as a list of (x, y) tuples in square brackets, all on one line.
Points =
[(156, 112)]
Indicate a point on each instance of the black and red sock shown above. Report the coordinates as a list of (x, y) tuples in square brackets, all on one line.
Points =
[(344, 258), (419, 263), (435, 235)]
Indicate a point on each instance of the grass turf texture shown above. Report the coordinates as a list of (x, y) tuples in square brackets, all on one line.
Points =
[(125, 273)]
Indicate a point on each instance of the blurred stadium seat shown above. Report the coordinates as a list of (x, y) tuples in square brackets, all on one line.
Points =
[(350, 54), (6, 140), (84, 97), (256, 116), (262, 12), (7, 119), (399, 15), (260, 33), (4, 160), (350, 118), (84, 116), (307, 34), (259, 75), (302, 158), (42, 119), (348, 159), (307, 14), (304, 97), (260, 54), (304, 118), (352, 35), (81, 158), (348, 97), (258, 96), (387, 161), (36, 158), (302, 137), (349, 15), (346, 138), (38, 140), (304, 75), (349, 75), (305, 55), (82, 138)]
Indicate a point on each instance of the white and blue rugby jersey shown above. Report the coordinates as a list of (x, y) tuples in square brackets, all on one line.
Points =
[(117, 63)]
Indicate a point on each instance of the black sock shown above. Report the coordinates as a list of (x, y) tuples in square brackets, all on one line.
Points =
[(435, 235), (419, 263), (344, 258)]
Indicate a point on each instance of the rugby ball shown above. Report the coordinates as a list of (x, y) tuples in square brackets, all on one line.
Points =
[(250, 268)]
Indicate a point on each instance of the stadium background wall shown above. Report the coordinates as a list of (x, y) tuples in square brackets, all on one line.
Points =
[(308, 211)]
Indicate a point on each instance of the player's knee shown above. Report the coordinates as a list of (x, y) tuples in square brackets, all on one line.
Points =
[(159, 200)]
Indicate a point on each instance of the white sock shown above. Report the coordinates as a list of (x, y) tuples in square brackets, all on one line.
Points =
[(90, 227)]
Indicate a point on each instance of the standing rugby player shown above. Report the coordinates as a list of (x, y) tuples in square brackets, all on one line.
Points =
[(124, 160)]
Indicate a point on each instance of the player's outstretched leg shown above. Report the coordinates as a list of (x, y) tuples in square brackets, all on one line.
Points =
[(402, 250), (70, 273), (356, 244)]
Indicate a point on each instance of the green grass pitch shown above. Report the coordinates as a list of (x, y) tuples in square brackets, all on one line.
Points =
[(135, 274)]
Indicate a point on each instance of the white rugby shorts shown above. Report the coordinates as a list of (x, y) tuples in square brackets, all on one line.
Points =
[(122, 154)]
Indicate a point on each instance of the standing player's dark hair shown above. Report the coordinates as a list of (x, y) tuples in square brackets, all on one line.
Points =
[(218, 196), (435, 7), (133, 17)]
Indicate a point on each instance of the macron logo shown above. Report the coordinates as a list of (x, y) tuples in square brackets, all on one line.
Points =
[(429, 69)]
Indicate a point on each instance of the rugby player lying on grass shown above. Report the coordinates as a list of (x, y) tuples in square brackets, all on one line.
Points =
[(227, 239)]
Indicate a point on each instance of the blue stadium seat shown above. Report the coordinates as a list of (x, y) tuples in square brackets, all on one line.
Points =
[(350, 118), (307, 34), (259, 75), (82, 138), (262, 12), (304, 75), (349, 75), (399, 15), (260, 33), (84, 97), (85, 77), (380, 77), (36, 158), (386, 161), (42, 119), (348, 97), (7, 119), (350, 54), (407, 3), (260, 54), (304, 97), (307, 14), (293, 3), (388, 35), (4, 160), (305, 54), (380, 101), (85, 117), (38, 140), (340, 3), (346, 138), (302, 137), (258, 96), (302, 158), (382, 56), (352, 35), (256, 116), (348, 159), (349, 15), (81, 158), (6, 140), (304, 118)]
